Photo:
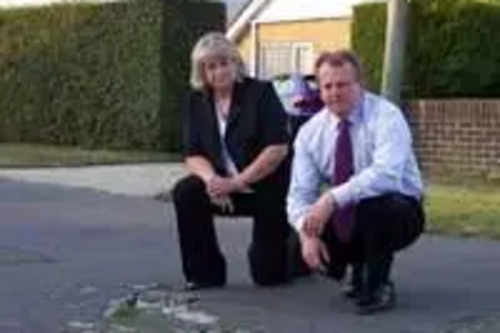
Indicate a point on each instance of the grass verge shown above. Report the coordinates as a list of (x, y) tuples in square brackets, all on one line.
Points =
[(464, 210), (31, 156)]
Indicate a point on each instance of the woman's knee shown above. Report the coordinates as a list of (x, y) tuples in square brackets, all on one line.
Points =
[(187, 188)]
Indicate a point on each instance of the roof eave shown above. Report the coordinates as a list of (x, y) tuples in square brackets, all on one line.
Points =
[(244, 18)]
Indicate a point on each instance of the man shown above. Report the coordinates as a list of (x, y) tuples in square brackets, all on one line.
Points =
[(360, 146)]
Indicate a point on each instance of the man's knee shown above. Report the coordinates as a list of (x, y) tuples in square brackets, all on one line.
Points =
[(377, 204), (392, 206), (412, 229), (187, 188), (397, 218), (409, 213)]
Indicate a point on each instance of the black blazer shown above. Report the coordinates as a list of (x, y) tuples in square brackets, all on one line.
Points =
[(256, 120)]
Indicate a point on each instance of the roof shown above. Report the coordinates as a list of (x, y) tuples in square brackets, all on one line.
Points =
[(241, 21), (237, 13), (288, 10)]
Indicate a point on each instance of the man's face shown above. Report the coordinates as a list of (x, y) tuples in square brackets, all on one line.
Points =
[(220, 72), (340, 88)]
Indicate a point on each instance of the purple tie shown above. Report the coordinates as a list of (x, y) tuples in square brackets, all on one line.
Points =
[(344, 168)]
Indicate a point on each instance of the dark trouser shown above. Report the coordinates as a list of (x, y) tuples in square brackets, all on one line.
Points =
[(202, 259), (384, 225)]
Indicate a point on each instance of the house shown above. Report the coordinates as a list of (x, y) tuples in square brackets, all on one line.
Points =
[(283, 36)]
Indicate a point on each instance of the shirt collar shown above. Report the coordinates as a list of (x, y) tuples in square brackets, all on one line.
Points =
[(356, 115)]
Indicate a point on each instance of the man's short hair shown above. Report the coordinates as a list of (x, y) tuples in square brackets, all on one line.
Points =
[(338, 59)]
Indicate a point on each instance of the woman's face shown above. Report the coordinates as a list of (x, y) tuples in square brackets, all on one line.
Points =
[(219, 72)]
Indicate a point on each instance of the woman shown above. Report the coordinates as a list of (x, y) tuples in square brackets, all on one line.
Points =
[(236, 148)]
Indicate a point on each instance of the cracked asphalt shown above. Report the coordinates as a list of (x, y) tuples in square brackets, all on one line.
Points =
[(65, 253)]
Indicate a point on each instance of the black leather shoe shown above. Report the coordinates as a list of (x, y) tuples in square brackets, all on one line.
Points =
[(381, 300), (195, 286), (353, 290)]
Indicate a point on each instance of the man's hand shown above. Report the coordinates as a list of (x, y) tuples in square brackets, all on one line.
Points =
[(318, 215), (315, 253)]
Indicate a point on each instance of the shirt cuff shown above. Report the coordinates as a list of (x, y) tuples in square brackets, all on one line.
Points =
[(299, 223), (342, 195)]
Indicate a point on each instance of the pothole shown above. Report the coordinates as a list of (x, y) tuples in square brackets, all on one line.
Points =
[(158, 309)]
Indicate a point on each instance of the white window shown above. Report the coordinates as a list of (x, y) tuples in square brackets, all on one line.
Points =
[(276, 58), (302, 57)]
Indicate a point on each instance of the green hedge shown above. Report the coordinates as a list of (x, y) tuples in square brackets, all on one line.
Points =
[(451, 51), (89, 74), (368, 35)]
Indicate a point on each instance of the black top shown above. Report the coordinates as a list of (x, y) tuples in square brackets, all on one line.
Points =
[(256, 120)]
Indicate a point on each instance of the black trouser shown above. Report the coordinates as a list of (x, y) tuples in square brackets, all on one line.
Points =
[(383, 226), (202, 259)]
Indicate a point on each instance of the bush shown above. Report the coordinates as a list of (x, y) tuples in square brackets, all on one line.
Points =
[(451, 48), (89, 74)]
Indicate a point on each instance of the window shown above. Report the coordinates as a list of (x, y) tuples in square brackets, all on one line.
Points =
[(277, 58), (302, 58)]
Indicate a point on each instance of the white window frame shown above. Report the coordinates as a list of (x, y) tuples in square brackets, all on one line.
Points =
[(296, 46), (294, 53)]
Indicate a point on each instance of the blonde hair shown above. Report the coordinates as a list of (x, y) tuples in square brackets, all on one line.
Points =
[(213, 44)]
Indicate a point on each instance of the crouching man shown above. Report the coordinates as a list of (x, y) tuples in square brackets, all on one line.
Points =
[(361, 147)]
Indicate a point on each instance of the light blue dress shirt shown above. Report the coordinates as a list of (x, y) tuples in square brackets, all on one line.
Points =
[(384, 160)]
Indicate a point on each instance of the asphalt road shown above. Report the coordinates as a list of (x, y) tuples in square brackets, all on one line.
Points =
[(65, 253)]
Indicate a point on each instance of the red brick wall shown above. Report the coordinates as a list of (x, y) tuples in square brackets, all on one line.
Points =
[(457, 137)]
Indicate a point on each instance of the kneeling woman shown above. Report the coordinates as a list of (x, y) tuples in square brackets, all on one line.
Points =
[(236, 150)]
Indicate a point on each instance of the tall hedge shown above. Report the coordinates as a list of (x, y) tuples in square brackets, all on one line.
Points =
[(451, 50), (368, 36), (90, 74)]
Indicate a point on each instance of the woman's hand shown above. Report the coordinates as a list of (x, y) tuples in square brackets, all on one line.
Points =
[(225, 203), (220, 186)]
